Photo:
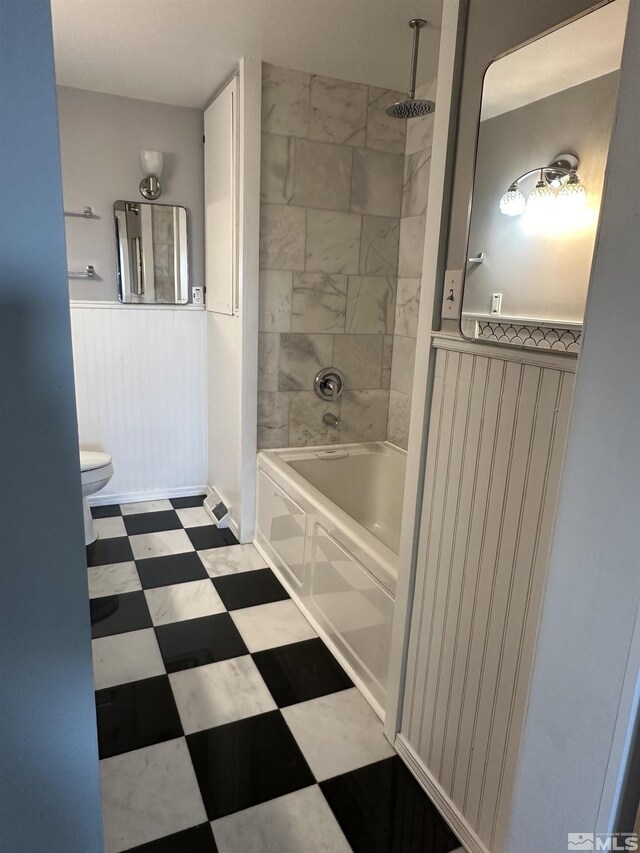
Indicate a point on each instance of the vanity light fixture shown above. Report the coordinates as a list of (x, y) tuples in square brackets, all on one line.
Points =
[(151, 164), (562, 173)]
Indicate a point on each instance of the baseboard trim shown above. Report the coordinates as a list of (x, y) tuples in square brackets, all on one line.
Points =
[(439, 797), (101, 499)]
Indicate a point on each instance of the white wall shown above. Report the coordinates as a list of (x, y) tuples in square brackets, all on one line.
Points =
[(586, 668), (140, 390), (101, 137)]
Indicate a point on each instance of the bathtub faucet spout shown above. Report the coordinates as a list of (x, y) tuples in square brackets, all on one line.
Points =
[(331, 420)]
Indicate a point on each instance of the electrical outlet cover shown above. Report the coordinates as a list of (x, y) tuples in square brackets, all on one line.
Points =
[(452, 296), (197, 295)]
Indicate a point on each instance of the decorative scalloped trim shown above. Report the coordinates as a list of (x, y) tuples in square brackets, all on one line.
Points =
[(531, 336)]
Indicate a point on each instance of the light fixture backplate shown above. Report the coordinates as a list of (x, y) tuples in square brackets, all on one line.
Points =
[(561, 161)]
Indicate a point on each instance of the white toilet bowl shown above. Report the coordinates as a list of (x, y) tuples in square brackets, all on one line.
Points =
[(97, 470)]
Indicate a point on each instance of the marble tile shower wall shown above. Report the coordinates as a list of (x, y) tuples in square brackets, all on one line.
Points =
[(415, 188), (331, 201)]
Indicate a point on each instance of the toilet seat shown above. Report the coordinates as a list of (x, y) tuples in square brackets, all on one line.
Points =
[(91, 460)]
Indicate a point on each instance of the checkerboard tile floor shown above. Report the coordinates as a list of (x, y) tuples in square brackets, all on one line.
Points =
[(224, 723)]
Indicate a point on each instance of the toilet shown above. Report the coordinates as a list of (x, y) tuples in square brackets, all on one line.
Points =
[(97, 470)]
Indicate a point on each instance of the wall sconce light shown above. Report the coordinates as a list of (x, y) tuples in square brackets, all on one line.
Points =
[(560, 173), (151, 163)]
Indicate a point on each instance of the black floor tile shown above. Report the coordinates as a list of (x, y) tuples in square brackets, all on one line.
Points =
[(382, 809), (246, 589), (198, 839), (151, 522), (104, 551), (210, 536), (117, 614), (247, 762), (185, 503), (301, 671), (137, 714), (176, 568), (196, 642), (109, 511)]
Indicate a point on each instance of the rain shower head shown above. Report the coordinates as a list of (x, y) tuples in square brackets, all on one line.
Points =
[(413, 107)]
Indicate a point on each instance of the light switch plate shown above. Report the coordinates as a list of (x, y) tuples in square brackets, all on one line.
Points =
[(452, 296)]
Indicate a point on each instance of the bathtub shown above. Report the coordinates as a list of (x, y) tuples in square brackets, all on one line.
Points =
[(328, 522)]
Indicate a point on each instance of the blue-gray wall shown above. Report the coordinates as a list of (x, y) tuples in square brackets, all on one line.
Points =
[(50, 797)]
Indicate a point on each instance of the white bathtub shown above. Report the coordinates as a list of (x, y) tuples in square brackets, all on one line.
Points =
[(329, 524)]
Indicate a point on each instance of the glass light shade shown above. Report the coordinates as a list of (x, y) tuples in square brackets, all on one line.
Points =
[(151, 163), (541, 198), (512, 203), (573, 196)]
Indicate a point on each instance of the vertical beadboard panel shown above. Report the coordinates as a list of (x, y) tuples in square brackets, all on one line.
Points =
[(140, 390), (496, 438)]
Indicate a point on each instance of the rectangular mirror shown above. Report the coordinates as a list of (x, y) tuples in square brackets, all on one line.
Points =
[(153, 262), (543, 138)]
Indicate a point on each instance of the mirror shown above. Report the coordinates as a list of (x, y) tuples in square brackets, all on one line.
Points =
[(546, 118), (153, 264)]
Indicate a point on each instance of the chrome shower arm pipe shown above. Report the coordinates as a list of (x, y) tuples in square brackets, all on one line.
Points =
[(416, 24)]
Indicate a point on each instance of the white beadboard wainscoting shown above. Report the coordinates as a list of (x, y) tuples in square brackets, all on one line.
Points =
[(140, 390), (496, 439)]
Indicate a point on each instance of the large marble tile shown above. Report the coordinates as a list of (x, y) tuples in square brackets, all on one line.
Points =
[(282, 236), (411, 247), (268, 361), (333, 242), (407, 307), (275, 301), (415, 187), (301, 821), (276, 169), (109, 528), (160, 544), (220, 693), (322, 175), (194, 516), (183, 601), (404, 356), (370, 305), (359, 357), (113, 579), (147, 794), (338, 111), (270, 625), (231, 560), (120, 658), (273, 419), (146, 506), (364, 415), (377, 183), (301, 357), (306, 427), (337, 733), (384, 133), (399, 414), (285, 101), (420, 130), (379, 245), (318, 302), (387, 357)]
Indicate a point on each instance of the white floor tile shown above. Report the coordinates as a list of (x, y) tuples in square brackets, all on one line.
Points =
[(183, 601), (219, 693), (194, 516), (126, 657), (160, 544), (231, 559), (297, 822), (149, 793), (113, 579), (145, 506), (109, 528), (337, 733), (269, 625)]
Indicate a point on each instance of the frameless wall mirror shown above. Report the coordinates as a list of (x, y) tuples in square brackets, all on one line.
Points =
[(153, 264), (543, 138)]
